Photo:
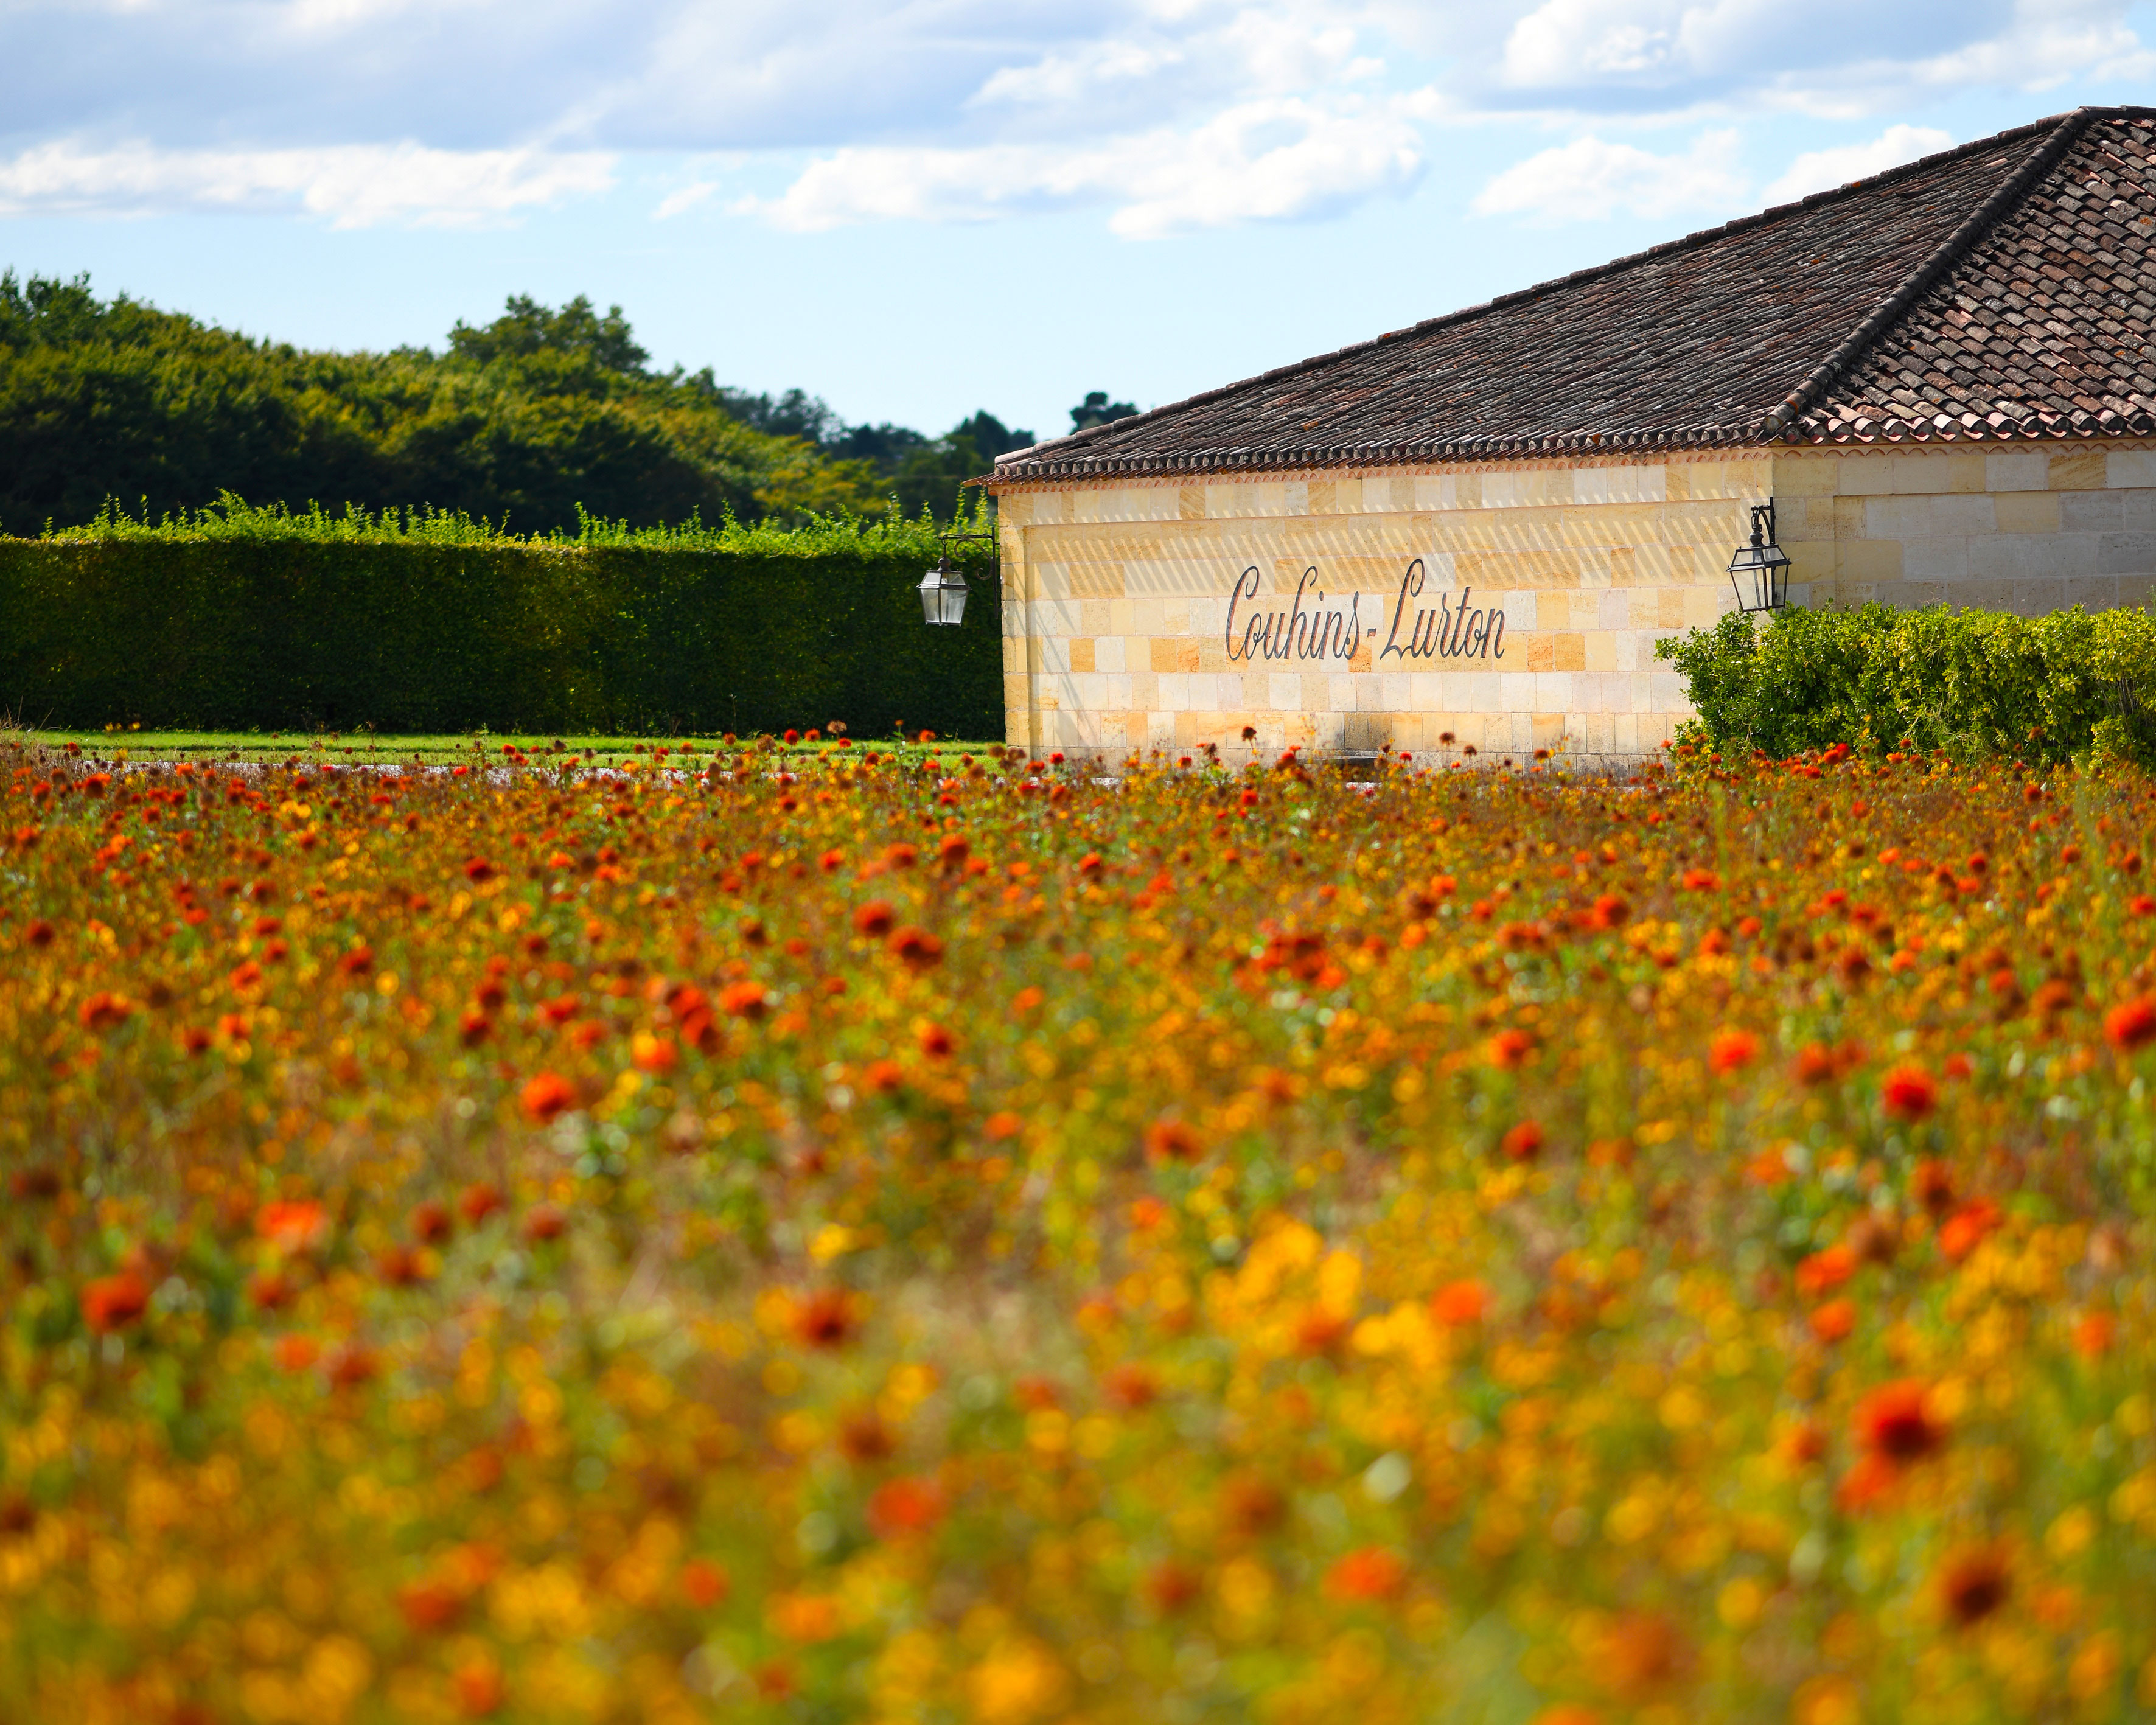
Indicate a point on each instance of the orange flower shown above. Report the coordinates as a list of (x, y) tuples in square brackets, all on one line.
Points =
[(1909, 1092), (826, 1319), (545, 1095), (479, 1689), (1834, 1321), (112, 1302), (874, 919), (1523, 1141), (937, 1042), (1825, 1270), (1509, 1049), (1730, 1051), (1172, 1141), (1964, 1230), (1132, 1386), (649, 1053), (1459, 1302), (2094, 1334), (1373, 1572), (478, 1201), (1640, 1652), (903, 1507), (293, 1225), (704, 1584), (744, 1000), (295, 1353)]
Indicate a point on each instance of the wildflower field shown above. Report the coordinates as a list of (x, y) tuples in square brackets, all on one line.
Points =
[(980, 1240)]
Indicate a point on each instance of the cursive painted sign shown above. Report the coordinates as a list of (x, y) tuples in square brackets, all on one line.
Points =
[(1448, 632), (1294, 633), (1318, 631)]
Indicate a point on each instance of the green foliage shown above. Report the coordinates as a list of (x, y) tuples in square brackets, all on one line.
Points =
[(238, 618), (532, 418), (1096, 410), (1973, 683)]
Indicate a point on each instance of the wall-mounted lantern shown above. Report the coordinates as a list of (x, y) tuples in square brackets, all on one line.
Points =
[(1760, 571), (944, 589)]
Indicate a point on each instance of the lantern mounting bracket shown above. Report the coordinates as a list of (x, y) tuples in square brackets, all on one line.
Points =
[(1759, 572)]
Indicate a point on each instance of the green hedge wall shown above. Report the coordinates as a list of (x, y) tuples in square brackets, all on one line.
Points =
[(741, 630), (2073, 684)]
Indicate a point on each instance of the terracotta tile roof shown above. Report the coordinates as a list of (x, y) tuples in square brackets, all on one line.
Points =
[(2001, 290)]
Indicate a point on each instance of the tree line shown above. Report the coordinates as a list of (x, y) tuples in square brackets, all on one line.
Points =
[(526, 420)]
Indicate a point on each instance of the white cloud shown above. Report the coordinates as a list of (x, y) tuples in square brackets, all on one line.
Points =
[(1818, 170), (1275, 160), (1170, 114), (1834, 58), (355, 185), (687, 198), (1587, 180)]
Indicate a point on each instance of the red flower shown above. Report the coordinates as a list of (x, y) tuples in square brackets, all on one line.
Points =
[(480, 868), (1171, 1586), (1373, 1572), (2129, 1026), (101, 1011), (1132, 1386), (1895, 1424), (1523, 1141), (1729, 1051), (1172, 1141), (430, 1223), (937, 1042), (917, 949), (358, 962), (1974, 1585), (1909, 1092), (874, 918), (543, 1222), (112, 1302), (546, 1095)]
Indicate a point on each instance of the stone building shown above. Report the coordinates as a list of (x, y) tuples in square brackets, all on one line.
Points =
[(1942, 376)]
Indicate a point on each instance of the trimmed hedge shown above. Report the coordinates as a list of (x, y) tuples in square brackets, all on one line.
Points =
[(2070, 684), (244, 620)]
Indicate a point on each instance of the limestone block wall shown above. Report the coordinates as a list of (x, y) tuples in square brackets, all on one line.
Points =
[(1136, 614), (2014, 529), (1117, 599)]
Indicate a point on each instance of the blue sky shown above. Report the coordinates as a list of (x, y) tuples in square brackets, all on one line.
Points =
[(917, 209)]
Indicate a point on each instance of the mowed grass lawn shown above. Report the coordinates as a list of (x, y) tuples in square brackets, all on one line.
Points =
[(1007, 1245)]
